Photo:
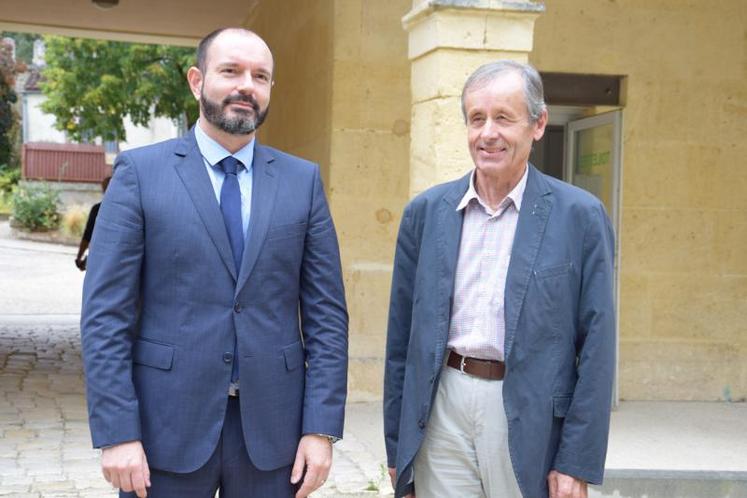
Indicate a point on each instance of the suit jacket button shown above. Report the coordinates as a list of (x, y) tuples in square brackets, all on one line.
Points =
[(227, 357), (421, 424), (237, 307)]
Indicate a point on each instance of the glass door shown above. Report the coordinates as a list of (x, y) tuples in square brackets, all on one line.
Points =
[(593, 162)]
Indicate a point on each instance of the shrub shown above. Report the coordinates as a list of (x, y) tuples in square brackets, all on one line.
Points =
[(74, 221), (35, 207), (4, 203), (8, 179)]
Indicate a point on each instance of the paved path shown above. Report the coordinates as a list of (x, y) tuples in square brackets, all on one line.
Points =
[(37, 279), (45, 448)]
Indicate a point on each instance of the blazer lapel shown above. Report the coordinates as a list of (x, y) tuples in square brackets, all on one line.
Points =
[(535, 210), (449, 234), (264, 189), (191, 169)]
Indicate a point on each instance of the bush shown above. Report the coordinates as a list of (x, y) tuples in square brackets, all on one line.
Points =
[(34, 207), (8, 178), (4, 203), (74, 221)]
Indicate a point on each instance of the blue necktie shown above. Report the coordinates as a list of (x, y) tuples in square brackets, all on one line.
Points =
[(230, 206)]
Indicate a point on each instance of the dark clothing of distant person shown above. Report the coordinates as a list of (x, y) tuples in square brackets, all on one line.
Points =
[(88, 232)]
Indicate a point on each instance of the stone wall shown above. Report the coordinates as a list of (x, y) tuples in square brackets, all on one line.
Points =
[(342, 99), (299, 33), (369, 169), (683, 269)]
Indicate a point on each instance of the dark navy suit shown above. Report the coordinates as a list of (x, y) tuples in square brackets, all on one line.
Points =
[(560, 330), (163, 302)]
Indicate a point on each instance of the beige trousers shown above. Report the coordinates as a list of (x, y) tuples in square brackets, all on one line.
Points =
[(465, 450)]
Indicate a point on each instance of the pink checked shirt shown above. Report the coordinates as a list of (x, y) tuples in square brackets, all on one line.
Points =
[(477, 327)]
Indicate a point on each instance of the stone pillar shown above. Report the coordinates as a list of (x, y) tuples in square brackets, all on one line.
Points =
[(448, 39)]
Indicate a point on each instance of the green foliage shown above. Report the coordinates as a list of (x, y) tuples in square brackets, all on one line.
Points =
[(35, 207), (92, 85), (24, 44), (8, 179), (8, 117)]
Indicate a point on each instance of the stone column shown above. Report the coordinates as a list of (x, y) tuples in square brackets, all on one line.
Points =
[(448, 39)]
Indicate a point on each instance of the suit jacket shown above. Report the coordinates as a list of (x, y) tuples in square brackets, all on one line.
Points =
[(163, 301), (560, 330)]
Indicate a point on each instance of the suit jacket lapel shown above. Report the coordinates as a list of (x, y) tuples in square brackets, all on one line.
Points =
[(191, 169), (449, 234), (535, 210), (264, 189)]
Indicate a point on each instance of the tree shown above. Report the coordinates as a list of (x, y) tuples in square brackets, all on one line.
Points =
[(92, 85), (8, 118), (24, 45)]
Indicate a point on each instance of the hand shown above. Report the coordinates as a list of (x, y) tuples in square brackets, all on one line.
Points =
[(564, 486), (315, 455), (80, 263), (125, 466), (393, 477)]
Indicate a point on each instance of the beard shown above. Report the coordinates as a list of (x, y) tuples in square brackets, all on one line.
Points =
[(242, 122)]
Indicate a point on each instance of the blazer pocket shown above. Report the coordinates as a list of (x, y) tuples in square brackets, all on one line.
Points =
[(294, 356), (553, 271), (286, 231), (153, 354), (560, 405)]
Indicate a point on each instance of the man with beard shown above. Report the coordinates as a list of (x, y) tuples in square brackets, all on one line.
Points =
[(214, 326)]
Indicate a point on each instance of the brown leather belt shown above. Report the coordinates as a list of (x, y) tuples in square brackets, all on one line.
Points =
[(485, 369)]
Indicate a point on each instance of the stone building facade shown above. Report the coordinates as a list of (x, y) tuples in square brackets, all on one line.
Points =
[(370, 90)]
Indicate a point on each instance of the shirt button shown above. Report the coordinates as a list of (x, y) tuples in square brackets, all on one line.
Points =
[(227, 357), (237, 307)]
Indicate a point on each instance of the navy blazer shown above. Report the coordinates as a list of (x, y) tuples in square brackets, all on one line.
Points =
[(560, 330), (162, 301)]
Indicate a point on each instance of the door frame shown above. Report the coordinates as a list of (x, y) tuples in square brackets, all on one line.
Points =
[(614, 118)]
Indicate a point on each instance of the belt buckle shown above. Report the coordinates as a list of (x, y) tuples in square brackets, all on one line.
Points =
[(233, 390), (462, 361)]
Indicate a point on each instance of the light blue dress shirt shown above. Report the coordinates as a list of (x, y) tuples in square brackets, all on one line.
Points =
[(213, 153)]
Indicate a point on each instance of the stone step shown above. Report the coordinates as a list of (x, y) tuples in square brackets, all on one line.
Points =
[(646, 483)]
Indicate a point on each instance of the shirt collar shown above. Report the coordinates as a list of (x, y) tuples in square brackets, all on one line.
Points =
[(515, 196), (213, 152)]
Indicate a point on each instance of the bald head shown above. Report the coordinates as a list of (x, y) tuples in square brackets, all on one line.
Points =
[(203, 48), (232, 82)]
